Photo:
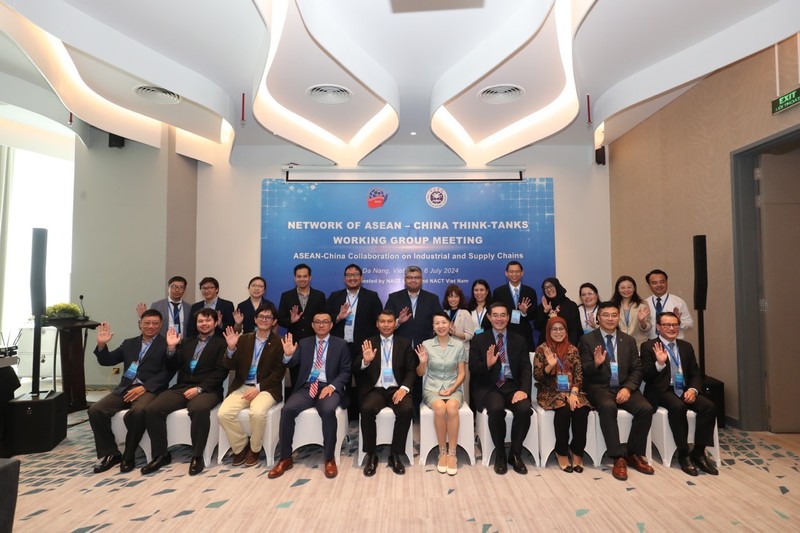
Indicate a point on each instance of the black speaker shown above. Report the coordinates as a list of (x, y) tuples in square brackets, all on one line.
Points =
[(700, 272), (37, 423), (38, 271), (115, 141), (600, 155)]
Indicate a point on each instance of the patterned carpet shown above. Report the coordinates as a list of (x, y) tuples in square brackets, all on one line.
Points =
[(757, 490)]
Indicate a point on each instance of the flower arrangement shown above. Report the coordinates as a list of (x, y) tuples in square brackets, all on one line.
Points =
[(63, 311)]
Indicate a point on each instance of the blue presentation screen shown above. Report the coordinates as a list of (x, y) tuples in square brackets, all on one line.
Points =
[(456, 232)]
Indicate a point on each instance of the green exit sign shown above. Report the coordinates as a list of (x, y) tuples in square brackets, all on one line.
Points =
[(786, 101)]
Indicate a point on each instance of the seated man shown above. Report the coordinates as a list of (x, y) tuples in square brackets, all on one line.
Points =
[(672, 381), (385, 383), (324, 371), (257, 359), (500, 373), (612, 373), (201, 371), (144, 376)]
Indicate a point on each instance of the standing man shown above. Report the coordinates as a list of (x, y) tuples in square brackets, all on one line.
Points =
[(520, 299), (355, 312), (324, 372), (673, 381), (257, 359), (144, 376), (500, 370), (385, 372), (662, 300), (414, 308), (612, 373), (174, 308), (201, 372), (209, 287)]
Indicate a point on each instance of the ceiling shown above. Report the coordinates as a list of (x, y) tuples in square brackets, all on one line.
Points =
[(414, 70)]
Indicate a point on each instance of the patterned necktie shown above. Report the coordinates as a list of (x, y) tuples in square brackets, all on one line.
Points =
[(674, 368), (516, 297), (659, 307), (501, 353), (176, 316), (610, 348), (312, 391)]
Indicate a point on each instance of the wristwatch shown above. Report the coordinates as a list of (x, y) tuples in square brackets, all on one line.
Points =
[(199, 390)]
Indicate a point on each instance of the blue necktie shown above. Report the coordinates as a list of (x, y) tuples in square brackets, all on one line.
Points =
[(176, 316)]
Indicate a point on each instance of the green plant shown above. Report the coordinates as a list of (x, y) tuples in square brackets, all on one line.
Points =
[(62, 310)]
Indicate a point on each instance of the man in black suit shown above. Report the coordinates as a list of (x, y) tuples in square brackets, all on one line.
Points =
[(414, 308), (500, 372), (672, 381), (521, 300), (324, 371), (385, 382), (355, 312), (174, 309), (201, 371), (209, 288), (612, 373), (144, 376)]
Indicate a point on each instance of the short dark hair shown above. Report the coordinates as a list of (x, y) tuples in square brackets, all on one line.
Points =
[(209, 279), (588, 285), (173, 279), (257, 278), (608, 304), (655, 271), (499, 304), (266, 306), (514, 263), (152, 312), (330, 316), (667, 313), (206, 312), (301, 266), (353, 265), (440, 314), (388, 312)]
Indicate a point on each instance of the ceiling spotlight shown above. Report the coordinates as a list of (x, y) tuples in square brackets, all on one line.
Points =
[(413, 133), (157, 95), (329, 94), (501, 94)]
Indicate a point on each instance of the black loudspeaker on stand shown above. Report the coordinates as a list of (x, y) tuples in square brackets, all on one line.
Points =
[(38, 421), (713, 388)]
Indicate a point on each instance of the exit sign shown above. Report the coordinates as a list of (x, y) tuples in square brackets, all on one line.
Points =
[(786, 101)]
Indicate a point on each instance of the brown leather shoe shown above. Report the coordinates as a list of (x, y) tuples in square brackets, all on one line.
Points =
[(282, 466), (620, 470), (330, 469), (238, 458), (252, 458), (639, 463)]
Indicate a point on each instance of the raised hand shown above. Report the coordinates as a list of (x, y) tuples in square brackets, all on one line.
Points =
[(550, 357), (422, 354), (231, 337), (294, 314), (661, 353), (677, 312), (491, 356), (173, 338), (404, 315), (524, 304), (104, 334), (289, 347), (367, 352), (344, 310), (643, 313), (546, 305), (140, 308), (599, 355), (238, 317)]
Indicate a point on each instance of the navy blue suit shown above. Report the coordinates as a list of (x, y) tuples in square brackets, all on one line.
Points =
[(503, 295), (418, 327), (337, 373)]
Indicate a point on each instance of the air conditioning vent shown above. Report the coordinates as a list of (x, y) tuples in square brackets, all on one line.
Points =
[(157, 95), (501, 94), (329, 94)]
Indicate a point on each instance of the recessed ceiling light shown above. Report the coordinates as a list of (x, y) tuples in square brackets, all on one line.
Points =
[(501, 94), (157, 95), (413, 133), (329, 94)]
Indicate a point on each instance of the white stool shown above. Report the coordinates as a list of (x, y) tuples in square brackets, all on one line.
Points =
[(664, 441), (384, 425), (270, 438), (118, 426), (427, 433), (531, 442), (547, 435), (308, 430), (179, 431), (624, 423)]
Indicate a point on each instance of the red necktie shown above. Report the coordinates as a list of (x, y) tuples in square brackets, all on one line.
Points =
[(501, 353)]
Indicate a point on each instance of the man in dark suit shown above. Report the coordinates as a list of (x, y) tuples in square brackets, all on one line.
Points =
[(201, 371), (257, 359), (672, 381), (324, 371), (355, 312), (500, 379), (521, 300), (612, 373), (209, 288), (385, 382), (144, 376), (174, 309)]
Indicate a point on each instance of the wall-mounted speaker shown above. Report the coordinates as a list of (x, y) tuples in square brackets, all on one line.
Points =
[(115, 141), (600, 155), (700, 272)]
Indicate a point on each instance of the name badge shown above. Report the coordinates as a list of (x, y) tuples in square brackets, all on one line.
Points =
[(516, 316), (130, 373), (562, 383), (192, 365), (349, 320), (388, 376), (314, 375), (680, 384), (251, 376), (478, 331), (615, 374)]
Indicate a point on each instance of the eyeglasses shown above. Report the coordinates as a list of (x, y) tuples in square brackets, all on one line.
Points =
[(413, 277), (320, 322), (265, 318), (208, 288), (351, 276), (562, 330), (151, 323), (670, 326), (548, 287), (176, 287)]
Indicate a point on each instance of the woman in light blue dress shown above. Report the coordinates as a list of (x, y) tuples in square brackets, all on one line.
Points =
[(442, 362)]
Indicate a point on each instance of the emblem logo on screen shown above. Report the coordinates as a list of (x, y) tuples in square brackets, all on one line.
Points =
[(436, 197), (376, 197)]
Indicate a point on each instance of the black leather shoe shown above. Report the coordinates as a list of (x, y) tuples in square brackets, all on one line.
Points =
[(687, 465), (702, 462), (126, 465), (196, 466), (371, 465), (500, 464), (517, 464), (156, 463), (107, 462), (397, 465)]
